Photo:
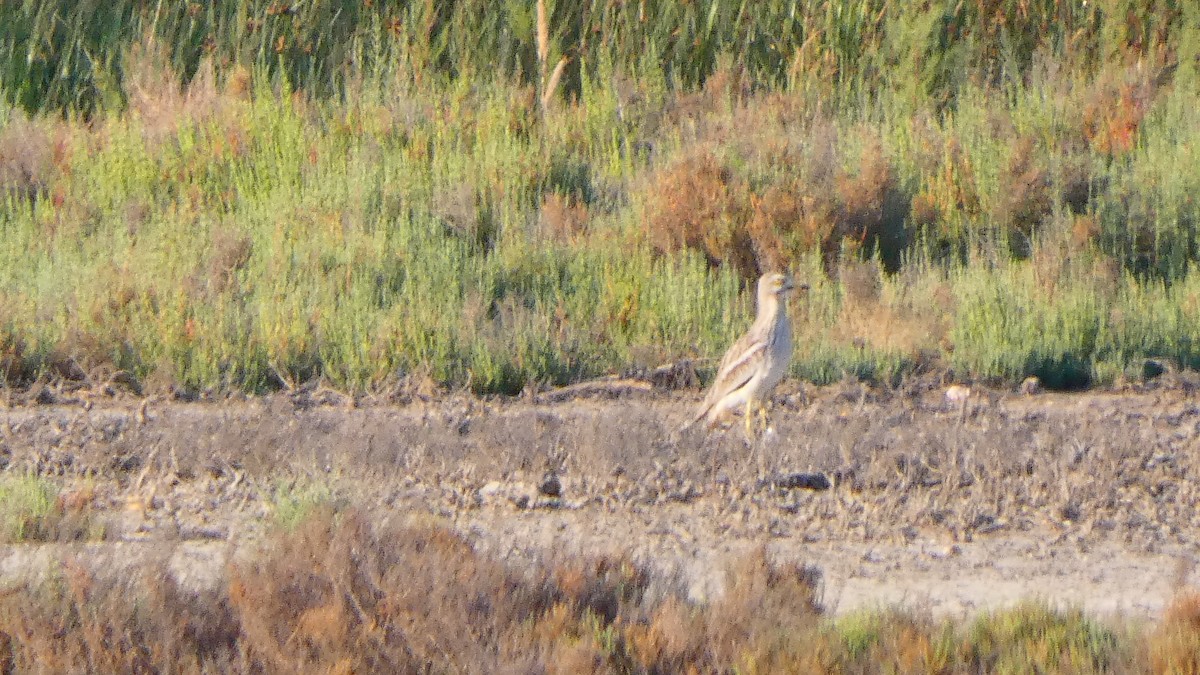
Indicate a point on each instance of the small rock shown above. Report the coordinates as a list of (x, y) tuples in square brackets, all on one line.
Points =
[(550, 485), (491, 490), (191, 533), (958, 394), (951, 551), (791, 481)]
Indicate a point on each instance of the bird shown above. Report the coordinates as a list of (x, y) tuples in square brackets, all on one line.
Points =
[(756, 362)]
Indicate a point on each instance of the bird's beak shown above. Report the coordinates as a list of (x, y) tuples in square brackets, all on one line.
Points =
[(790, 286)]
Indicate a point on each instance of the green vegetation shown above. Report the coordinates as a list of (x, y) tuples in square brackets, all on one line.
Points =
[(32, 508), (247, 195), (27, 502), (294, 501)]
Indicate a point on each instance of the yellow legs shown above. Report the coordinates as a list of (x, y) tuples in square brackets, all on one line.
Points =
[(759, 410)]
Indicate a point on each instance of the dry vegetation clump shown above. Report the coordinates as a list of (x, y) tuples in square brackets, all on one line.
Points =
[(903, 325), (564, 219), (697, 203), (156, 96), (1174, 645), (799, 199), (948, 195), (32, 153), (338, 594), (871, 209), (333, 596), (82, 621), (765, 614), (1115, 105), (1024, 196)]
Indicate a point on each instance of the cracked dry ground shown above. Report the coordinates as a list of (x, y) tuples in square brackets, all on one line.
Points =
[(1085, 499)]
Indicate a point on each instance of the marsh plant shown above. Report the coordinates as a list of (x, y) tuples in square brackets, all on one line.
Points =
[(248, 195)]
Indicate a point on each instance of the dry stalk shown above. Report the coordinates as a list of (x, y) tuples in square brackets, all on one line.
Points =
[(548, 88), (543, 37), (549, 83)]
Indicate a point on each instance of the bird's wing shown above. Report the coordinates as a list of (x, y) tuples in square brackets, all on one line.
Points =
[(742, 351), (737, 368)]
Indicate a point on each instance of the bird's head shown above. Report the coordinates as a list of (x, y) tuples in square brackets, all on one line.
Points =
[(777, 285)]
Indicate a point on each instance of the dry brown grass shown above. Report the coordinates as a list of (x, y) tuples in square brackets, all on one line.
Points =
[(898, 325), (564, 218), (1174, 645), (339, 594), (806, 200), (31, 155), (697, 203)]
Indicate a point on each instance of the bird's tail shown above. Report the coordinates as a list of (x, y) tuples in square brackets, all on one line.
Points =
[(701, 413)]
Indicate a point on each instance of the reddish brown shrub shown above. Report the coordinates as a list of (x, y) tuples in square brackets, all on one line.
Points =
[(85, 622), (340, 595), (29, 159), (671, 640), (697, 203), (765, 609), (1024, 193), (1113, 113), (1174, 646), (870, 209), (563, 219), (806, 202)]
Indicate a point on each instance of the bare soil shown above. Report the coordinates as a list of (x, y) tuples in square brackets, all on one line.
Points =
[(898, 497)]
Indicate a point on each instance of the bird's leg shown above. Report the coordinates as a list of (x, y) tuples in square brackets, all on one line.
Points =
[(753, 439), (764, 416), (750, 419)]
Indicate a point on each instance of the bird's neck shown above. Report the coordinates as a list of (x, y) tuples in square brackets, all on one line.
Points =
[(768, 307)]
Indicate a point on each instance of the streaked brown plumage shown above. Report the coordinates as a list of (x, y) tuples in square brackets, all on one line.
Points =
[(757, 361)]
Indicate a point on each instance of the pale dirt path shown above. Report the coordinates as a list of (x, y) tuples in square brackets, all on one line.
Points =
[(926, 575)]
